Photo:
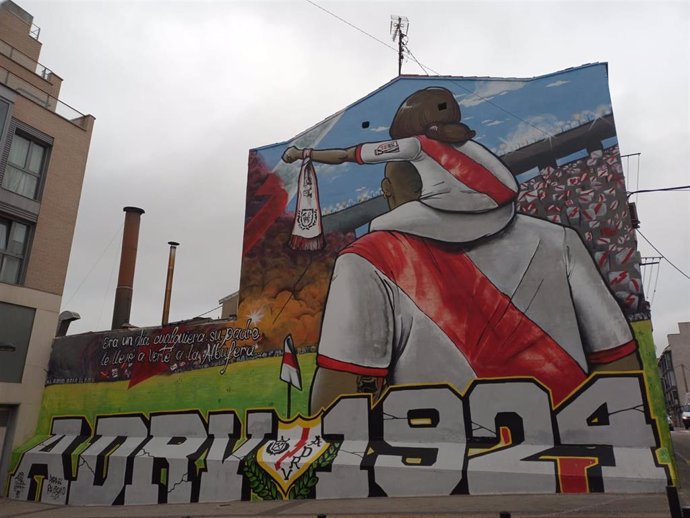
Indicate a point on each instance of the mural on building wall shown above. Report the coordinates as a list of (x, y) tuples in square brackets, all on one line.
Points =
[(440, 291), (498, 437)]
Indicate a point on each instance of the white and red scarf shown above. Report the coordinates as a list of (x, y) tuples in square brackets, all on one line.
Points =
[(307, 230)]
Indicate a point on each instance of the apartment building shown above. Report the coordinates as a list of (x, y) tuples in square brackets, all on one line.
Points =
[(669, 385), (674, 368), (44, 145)]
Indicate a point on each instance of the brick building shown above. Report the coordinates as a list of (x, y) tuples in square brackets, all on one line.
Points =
[(44, 145)]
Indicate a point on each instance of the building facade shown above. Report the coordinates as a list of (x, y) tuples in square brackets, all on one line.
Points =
[(426, 307), (670, 386), (674, 367), (44, 145), (229, 305)]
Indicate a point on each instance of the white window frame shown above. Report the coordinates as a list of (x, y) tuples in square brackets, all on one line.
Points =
[(24, 169), (23, 257)]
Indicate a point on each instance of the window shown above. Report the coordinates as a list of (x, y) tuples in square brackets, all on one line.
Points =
[(13, 239), (24, 167), (14, 340), (4, 110)]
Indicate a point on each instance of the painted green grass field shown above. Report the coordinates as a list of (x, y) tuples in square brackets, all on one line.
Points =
[(248, 384), (245, 385)]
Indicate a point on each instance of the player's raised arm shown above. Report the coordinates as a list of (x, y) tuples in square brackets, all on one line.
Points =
[(323, 156)]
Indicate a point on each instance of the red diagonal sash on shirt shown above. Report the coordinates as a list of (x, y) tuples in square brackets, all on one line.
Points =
[(473, 174), (496, 338)]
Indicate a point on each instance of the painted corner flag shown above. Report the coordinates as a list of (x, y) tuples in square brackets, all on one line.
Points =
[(289, 369)]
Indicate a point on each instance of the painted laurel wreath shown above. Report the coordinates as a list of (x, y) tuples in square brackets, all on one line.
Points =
[(263, 486)]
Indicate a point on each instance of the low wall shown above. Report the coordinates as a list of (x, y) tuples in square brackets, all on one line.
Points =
[(498, 437)]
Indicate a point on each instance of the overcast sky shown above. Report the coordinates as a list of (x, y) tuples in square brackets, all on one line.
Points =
[(182, 90)]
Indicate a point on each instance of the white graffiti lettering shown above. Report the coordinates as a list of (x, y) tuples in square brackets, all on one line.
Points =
[(501, 436)]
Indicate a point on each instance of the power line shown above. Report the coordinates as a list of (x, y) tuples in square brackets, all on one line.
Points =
[(661, 189), (425, 68), (485, 99), (645, 278), (663, 256), (627, 169), (656, 283), (117, 232), (209, 311), (111, 278), (353, 26), (637, 185), (650, 276), (417, 61)]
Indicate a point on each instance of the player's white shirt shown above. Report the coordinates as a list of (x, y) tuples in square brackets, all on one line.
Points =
[(382, 326), (430, 295)]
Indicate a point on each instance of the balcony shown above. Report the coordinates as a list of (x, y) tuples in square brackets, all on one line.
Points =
[(38, 96), (19, 57), (33, 92)]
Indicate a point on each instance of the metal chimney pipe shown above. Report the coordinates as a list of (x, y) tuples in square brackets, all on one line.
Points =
[(169, 281), (128, 259)]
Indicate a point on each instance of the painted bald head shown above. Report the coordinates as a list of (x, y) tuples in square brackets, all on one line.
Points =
[(401, 184)]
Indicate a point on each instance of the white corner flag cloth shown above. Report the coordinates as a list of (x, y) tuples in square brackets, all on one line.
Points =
[(289, 369)]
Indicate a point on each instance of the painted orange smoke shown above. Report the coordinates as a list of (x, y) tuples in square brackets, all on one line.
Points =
[(283, 291)]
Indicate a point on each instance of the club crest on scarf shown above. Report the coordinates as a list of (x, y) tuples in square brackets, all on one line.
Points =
[(306, 218)]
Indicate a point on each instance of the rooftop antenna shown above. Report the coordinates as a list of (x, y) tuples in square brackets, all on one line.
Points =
[(399, 26)]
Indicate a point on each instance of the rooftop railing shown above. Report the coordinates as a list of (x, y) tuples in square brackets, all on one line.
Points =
[(35, 31), (19, 57), (38, 96)]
